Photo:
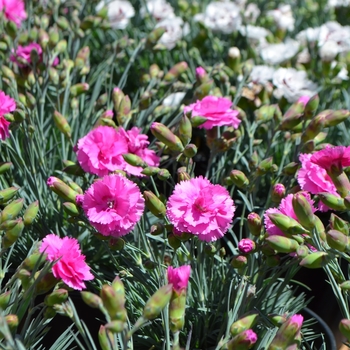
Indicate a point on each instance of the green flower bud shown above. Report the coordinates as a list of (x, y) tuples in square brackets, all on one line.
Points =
[(243, 341), (290, 169), (315, 260), (49, 313), (177, 308), (157, 229), (190, 150), (53, 75), (265, 113), (239, 179), (61, 46), (63, 23), (71, 209), (245, 322), (79, 89), (302, 251), (314, 128), (154, 71), (26, 278), (336, 117), (176, 71), (58, 296), (91, 300), (154, 36), (150, 171), (134, 160), (336, 223), (11, 211), (157, 302), (12, 321), (11, 29), (311, 107), (62, 189), (197, 121), (154, 204), (254, 224), (73, 168), (345, 286), (113, 300), (116, 326), (174, 242), (30, 213), (106, 339), (185, 130), (163, 174), (282, 244), (5, 300), (200, 92), (162, 133), (277, 320), (54, 36), (62, 124), (116, 244), (7, 72), (13, 234), (239, 261), (33, 261), (46, 283), (303, 210), (182, 174), (287, 224), (332, 201), (337, 240), (4, 167), (8, 193), (265, 166)]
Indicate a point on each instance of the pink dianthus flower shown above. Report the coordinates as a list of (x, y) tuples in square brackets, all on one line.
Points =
[(71, 266), (217, 111), (14, 10), (100, 151), (113, 205), (332, 157), (201, 208), (7, 105), (314, 179), (179, 277), (286, 208)]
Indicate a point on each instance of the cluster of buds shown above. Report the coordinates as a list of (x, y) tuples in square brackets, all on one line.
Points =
[(122, 106)]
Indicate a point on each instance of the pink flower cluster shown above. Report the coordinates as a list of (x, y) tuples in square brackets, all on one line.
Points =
[(286, 208), (71, 266), (201, 208), (23, 52), (113, 205), (7, 105), (100, 151), (179, 277), (14, 10), (217, 111), (313, 177)]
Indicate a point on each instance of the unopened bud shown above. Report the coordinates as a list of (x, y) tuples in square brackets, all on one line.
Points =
[(62, 189), (174, 241), (185, 130), (254, 224), (162, 133), (71, 209), (332, 201), (282, 244), (4, 300), (344, 327), (244, 323), (176, 71), (157, 302), (190, 150), (61, 46), (12, 321), (62, 124), (336, 223), (246, 246), (150, 171), (315, 260), (336, 117), (311, 106), (290, 169), (91, 299), (337, 240), (239, 261), (155, 35), (58, 296), (287, 224), (11, 210), (265, 113), (105, 338), (265, 166), (13, 234), (8, 193), (79, 89), (243, 341), (154, 204), (278, 192), (4, 167), (116, 244), (239, 179), (314, 128), (303, 210)]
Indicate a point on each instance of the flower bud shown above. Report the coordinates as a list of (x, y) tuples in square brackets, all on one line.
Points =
[(154, 204), (246, 246), (105, 338), (62, 189), (336, 223), (30, 213), (282, 244), (314, 128), (315, 260), (4, 167), (345, 286), (190, 150), (287, 224), (234, 59), (265, 113), (239, 179), (162, 133), (277, 320), (13, 234), (62, 124), (311, 106), (242, 341), (73, 168), (244, 323), (182, 174), (7, 72), (11, 210), (33, 261), (174, 241), (265, 166), (54, 36), (150, 171), (254, 224), (157, 302), (116, 326), (239, 261), (302, 251), (79, 89), (115, 307), (12, 321), (332, 201), (337, 240), (91, 299), (154, 36), (278, 192), (46, 282), (336, 117), (176, 71), (7, 194), (8, 225), (5, 300), (26, 278), (53, 75), (154, 70), (287, 333), (71, 209), (303, 210), (290, 169), (61, 46), (58, 296), (197, 121), (344, 327), (185, 130)]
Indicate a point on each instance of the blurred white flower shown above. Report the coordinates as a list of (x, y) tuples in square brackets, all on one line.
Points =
[(279, 53), (251, 13), (261, 74), (283, 17), (159, 9), (328, 51), (119, 12), (304, 56), (174, 99), (254, 34), (221, 17), (338, 3), (292, 84), (333, 31), (309, 35), (175, 30)]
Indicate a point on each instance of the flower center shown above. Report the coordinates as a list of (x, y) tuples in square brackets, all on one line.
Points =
[(199, 204), (110, 204)]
